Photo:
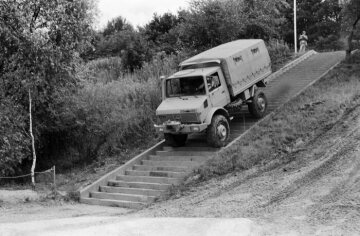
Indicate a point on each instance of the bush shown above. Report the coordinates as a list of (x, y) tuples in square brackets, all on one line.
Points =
[(331, 42), (14, 142), (102, 70), (279, 53)]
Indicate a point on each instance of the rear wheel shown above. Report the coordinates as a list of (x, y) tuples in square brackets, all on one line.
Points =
[(218, 132), (258, 106), (175, 140)]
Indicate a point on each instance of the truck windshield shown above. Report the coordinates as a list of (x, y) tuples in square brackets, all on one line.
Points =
[(187, 86)]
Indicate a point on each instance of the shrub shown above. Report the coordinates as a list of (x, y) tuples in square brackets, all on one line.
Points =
[(102, 70), (14, 142), (331, 42), (279, 53)]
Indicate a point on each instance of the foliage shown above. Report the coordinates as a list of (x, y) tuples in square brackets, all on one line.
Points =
[(210, 23), (279, 53), (351, 18), (160, 33), (14, 142), (108, 116), (115, 25), (40, 43), (318, 18), (331, 42), (119, 39)]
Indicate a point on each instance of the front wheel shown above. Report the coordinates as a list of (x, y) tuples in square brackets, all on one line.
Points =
[(218, 132), (175, 140), (258, 106)]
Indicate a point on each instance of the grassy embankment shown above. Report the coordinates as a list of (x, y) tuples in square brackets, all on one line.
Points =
[(273, 141)]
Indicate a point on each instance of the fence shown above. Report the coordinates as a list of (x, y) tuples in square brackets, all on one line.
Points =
[(43, 178)]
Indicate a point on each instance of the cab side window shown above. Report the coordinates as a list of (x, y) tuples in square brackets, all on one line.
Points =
[(213, 82)]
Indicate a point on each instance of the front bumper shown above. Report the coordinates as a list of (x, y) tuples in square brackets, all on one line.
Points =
[(177, 127)]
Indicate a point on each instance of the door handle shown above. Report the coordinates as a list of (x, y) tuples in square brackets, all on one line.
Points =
[(223, 91)]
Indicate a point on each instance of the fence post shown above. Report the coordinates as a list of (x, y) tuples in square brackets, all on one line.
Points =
[(54, 172)]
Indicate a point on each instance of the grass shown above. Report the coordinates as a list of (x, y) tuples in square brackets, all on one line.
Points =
[(288, 130)]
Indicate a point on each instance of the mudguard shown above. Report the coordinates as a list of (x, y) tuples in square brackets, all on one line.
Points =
[(216, 110)]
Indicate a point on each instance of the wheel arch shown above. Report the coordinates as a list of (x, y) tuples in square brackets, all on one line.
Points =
[(217, 111)]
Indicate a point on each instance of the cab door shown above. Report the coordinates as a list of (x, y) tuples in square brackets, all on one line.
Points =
[(218, 92)]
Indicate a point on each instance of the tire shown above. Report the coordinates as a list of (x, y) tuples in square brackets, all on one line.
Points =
[(218, 132), (175, 140), (259, 104)]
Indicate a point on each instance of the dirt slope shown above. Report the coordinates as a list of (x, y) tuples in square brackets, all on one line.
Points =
[(317, 192)]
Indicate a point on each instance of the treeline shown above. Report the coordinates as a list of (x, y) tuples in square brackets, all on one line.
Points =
[(95, 92), (209, 23)]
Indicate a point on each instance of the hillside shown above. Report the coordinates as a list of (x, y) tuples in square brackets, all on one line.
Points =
[(309, 187)]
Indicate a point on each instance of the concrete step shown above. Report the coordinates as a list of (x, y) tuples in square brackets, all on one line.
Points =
[(162, 168), (142, 185), (135, 191), (179, 158), (191, 149), (171, 163), (184, 153), (168, 174), (123, 197), (148, 179), (113, 203)]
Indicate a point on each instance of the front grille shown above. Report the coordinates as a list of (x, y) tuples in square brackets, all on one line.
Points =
[(184, 118), (189, 117)]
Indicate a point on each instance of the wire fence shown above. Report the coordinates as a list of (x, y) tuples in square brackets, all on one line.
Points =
[(46, 176)]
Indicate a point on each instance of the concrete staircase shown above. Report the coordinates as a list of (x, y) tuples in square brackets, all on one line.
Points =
[(144, 182)]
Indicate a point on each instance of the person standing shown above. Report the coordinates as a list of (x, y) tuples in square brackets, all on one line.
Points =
[(303, 42)]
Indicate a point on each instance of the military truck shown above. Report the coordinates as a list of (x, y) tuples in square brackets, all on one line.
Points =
[(207, 87)]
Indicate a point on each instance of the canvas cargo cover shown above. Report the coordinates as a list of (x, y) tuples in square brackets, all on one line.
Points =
[(244, 63)]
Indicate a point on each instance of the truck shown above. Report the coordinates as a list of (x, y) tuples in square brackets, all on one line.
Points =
[(209, 87)]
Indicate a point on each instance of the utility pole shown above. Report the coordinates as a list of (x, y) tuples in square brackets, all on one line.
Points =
[(295, 28)]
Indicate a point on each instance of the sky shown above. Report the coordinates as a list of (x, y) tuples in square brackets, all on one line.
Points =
[(137, 12)]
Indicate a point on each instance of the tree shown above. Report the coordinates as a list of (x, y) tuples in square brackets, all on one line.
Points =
[(351, 18), (41, 41), (210, 23), (115, 25), (160, 32), (320, 19)]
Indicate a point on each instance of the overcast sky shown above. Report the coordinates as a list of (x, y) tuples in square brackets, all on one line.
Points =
[(137, 12)]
